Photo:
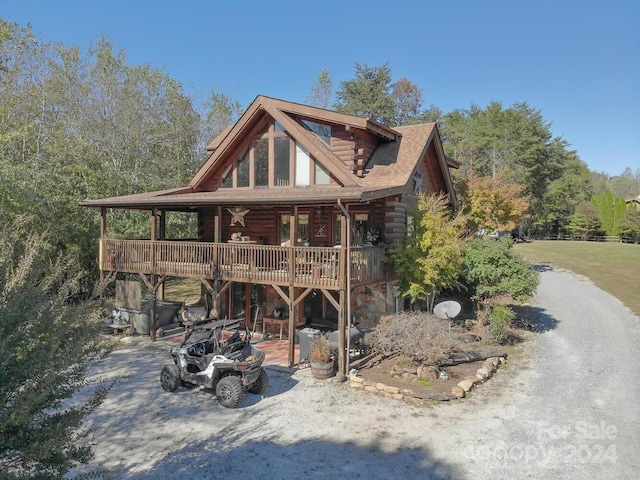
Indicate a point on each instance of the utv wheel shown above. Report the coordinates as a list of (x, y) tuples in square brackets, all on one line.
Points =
[(229, 391), (261, 384), (170, 377)]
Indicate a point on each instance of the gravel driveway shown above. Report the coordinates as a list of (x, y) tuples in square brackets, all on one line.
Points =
[(566, 407)]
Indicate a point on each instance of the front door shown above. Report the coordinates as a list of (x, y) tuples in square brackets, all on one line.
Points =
[(243, 301)]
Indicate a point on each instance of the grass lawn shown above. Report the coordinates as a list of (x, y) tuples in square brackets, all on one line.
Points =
[(614, 267), (182, 289)]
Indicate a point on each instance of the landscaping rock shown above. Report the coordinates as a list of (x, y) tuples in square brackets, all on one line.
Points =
[(427, 372), (483, 373), (474, 380), (466, 385), (391, 390), (458, 391)]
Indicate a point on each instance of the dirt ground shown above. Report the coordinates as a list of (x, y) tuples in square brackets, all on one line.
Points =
[(383, 372), (441, 341)]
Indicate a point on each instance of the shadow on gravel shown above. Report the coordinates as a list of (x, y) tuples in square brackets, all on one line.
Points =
[(533, 319), (539, 267), (231, 457)]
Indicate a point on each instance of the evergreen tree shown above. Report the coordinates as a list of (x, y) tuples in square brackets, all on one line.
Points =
[(368, 95), (584, 222)]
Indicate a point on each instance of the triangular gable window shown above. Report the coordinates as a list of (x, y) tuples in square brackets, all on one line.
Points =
[(273, 159), (322, 131)]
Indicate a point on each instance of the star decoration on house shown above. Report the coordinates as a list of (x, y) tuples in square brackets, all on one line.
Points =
[(237, 215)]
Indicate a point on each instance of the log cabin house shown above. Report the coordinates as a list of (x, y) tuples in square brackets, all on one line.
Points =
[(297, 207)]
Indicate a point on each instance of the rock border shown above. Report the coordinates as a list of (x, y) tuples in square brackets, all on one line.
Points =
[(459, 391)]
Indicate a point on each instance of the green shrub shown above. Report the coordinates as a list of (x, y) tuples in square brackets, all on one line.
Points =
[(499, 321), (493, 269)]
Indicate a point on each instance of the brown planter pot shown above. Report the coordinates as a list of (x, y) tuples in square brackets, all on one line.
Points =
[(322, 370)]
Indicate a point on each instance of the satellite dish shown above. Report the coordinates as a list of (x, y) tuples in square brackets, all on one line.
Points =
[(447, 310)]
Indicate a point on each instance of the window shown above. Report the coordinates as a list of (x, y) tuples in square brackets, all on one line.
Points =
[(302, 232), (360, 228), (322, 176), (321, 130), (242, 171), (285, 228), (303, 167), (337, 229), (261, 162), (282, 156), (274, 159), (227, 178)]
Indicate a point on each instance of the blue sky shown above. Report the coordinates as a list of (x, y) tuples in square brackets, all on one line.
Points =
[(577, 61)]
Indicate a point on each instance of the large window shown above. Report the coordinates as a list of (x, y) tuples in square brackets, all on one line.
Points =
[(261, 162), (243, 171), (274, 159), (303, 167), (282, 156)]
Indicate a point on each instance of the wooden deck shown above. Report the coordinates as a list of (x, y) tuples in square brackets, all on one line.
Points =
[(316, 267)]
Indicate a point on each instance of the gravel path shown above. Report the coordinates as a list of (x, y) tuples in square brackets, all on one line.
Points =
[(565, 407)]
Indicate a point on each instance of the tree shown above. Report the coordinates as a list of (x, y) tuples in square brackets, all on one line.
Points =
[(627, 184), (368, 94), (221, 112), (46, 346), (322, 90), (610, 210), (430, 259), (75, 126), (371, 94), (488, 140), (584, 222), (408, 101), (492, 269), (493, 203), (630, 225), (560, 199)]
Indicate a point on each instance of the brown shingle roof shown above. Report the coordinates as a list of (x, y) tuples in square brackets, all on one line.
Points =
[(393, 164), (389, 170)]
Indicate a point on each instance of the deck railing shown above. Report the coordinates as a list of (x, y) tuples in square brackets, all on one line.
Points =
[(265, 264)]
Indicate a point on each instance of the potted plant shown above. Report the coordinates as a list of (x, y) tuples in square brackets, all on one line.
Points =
[(321, 358)]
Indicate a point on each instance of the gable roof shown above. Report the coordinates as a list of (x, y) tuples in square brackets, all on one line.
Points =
[(390, 168), (284, 112)]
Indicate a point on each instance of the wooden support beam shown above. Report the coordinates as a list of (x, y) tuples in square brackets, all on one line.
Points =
[(302, 296), (292, 326), (342, 360), (146, 281), (214, 296), (332, 300), (280, 292)]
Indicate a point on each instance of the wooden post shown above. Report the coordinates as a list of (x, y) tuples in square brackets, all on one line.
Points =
[(162, 236), (152, 313), (292, 325), (344, 320), (103, 228)]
